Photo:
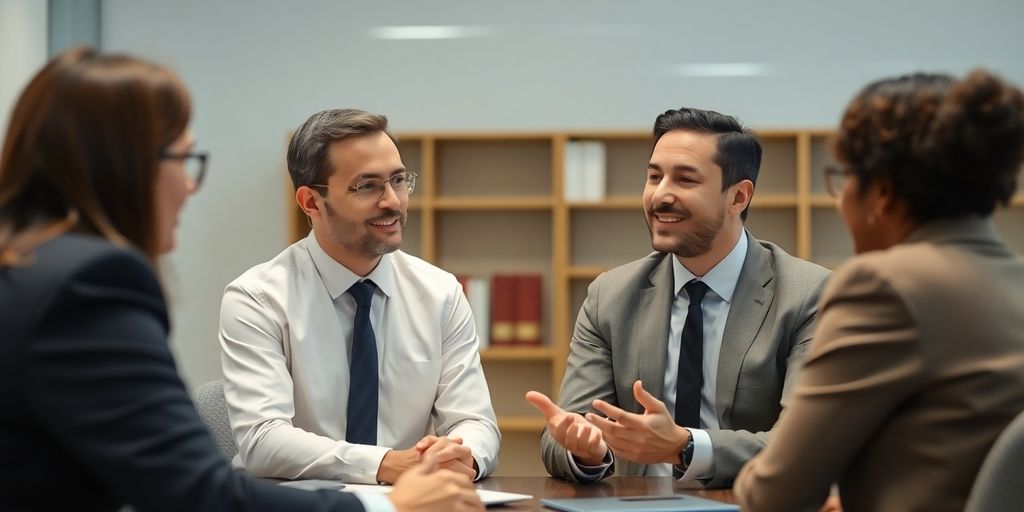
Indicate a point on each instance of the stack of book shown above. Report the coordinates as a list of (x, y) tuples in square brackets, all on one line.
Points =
[(507, 309), (584, 169)]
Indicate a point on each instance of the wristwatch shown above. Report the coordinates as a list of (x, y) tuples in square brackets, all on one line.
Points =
[(685, 456)]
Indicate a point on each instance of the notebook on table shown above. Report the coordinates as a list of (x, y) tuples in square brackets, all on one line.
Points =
[(676, 503)]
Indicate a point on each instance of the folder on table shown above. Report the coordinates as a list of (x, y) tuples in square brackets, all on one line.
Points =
[(674, 503)]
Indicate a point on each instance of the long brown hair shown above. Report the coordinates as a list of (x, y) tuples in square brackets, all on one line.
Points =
[(85, 138)]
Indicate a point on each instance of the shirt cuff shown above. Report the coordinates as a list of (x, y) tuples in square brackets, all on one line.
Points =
[(590, 473), (702, 463), (365, 461), (373, 502), (479, 469)]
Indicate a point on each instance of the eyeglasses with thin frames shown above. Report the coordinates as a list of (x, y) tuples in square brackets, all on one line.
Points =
[(194, 162), (372, 189), (835, 180)]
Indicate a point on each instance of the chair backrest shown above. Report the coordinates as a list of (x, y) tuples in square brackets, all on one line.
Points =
[(209, 400), (998, 485)]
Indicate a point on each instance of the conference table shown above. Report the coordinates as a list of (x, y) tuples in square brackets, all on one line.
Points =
[(546, 487)]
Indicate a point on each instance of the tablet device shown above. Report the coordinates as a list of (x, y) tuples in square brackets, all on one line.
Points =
[(674, 503)]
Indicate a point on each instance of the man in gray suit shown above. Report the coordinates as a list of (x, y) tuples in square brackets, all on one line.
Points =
[(681, 361)]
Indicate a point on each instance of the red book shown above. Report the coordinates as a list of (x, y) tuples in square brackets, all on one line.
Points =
[(528, 310), (503, 310)]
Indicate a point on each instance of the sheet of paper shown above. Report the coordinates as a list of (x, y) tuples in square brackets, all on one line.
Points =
[(488, 497), (314, 485)]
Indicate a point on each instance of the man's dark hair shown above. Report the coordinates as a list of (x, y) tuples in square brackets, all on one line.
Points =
[(737, 150)]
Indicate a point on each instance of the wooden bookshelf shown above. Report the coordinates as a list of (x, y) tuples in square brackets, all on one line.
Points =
[(610, 203), (540, 354), (521, 424), (590, 272), (494, 203)]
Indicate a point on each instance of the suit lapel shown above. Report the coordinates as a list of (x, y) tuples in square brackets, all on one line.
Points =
[(653, 307), (754, 292)]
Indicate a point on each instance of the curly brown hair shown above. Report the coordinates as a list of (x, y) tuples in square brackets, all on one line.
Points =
[(947, 147)]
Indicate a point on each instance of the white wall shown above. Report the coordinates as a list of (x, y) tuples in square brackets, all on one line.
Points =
[(258, 68), (22, 50)]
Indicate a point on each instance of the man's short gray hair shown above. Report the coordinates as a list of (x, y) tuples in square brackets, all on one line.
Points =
[(308, 162)]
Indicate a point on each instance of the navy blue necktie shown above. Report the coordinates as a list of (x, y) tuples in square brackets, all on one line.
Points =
[(691, 359), (362, 385)]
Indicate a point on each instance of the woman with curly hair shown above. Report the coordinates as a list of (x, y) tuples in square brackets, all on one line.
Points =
[(917, 364)]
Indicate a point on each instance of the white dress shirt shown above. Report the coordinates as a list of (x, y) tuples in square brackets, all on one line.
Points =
[(721, 281), (286, 337)]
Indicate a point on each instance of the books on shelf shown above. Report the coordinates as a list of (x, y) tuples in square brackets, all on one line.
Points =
[(507, 309), (584, 170), (516, 310), (478, 293), (528, 310), (503, 310)]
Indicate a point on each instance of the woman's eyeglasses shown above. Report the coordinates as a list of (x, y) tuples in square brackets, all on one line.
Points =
[(194, 163), (835, 180)]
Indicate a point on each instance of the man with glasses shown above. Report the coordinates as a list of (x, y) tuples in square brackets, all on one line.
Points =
[(681, 361), (343, 357)]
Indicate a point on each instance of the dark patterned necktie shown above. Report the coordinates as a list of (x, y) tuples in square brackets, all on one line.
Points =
[(691, 359), (362, 386)]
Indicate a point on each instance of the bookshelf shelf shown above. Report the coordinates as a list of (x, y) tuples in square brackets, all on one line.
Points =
[(521, 424), (516, 354), (632, 203), (495, 203), (820, 201), (587, 272), (774, 201), (610, 203), (830, 202)]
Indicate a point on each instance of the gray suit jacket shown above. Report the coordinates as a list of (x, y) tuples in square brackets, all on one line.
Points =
[(621, 335)]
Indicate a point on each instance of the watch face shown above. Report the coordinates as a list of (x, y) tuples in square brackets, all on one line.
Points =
[(685, 456)]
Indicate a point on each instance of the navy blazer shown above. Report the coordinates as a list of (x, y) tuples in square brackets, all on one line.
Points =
[(94, 414)]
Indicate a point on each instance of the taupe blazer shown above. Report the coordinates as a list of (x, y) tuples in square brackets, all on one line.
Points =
[(916, 367), (621, 335)]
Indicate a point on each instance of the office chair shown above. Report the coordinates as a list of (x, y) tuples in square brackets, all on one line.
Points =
[(209, 400), (998, 484)]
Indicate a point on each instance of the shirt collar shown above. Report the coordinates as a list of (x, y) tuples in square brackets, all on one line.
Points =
[(339, 279), (722, 278)]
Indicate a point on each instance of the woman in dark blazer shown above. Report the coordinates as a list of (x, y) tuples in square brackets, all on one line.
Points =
[(96, 165), (917, 363)]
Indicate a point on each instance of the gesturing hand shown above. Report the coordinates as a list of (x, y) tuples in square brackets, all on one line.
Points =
[(571, 431), (647, 438)]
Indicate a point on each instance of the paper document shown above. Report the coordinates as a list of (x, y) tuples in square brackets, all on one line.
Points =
[(488, 497), (314, 485)]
